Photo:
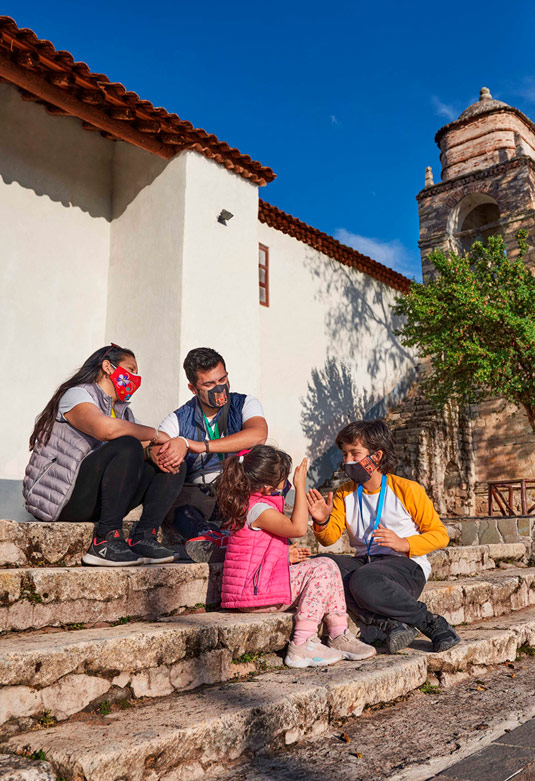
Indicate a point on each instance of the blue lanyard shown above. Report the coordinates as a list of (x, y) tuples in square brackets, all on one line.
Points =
[(379, 512)]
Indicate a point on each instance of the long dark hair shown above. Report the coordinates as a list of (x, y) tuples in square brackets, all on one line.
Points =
[(262, 465), (88, 372)]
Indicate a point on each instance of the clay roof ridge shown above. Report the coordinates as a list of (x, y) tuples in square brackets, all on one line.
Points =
[(56, 79), (328, 245)]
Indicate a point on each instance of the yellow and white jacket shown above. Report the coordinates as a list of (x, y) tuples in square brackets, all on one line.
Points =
[(407, 511)]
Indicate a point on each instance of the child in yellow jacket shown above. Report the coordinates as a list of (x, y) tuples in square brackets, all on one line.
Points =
[(392, 524)]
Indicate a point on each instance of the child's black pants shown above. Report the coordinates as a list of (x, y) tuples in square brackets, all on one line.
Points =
[(384, 587)]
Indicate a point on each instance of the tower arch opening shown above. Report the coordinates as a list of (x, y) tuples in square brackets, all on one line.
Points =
[(474, 218)]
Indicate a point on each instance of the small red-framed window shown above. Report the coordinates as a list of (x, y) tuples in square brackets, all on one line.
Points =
[(263, 275)]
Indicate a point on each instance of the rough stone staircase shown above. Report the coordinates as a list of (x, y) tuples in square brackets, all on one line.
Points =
[(133, 673)]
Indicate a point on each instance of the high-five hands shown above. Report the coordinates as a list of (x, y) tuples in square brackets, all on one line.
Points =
[(300, 475), (318, 507)]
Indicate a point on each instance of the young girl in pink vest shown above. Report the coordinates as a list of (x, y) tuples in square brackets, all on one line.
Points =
[(257, 574)]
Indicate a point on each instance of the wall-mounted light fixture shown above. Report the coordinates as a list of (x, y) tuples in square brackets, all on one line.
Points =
[(224, 216)]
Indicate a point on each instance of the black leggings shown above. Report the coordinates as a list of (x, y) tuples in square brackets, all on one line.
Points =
[(114, 479)]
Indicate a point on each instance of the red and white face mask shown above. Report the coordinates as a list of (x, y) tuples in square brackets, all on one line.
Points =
[(125, 383)]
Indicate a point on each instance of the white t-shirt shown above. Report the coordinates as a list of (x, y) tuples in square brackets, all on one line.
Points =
[(71, 398), (254, 514), (251, 409)]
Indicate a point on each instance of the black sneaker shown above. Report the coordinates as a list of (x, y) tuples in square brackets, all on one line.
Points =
[(110, 551), (151, 551), (398, 635), (442, 635), (209, 547)]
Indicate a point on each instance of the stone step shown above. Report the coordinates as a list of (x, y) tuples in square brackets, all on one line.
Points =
[(492, 530), (59, 544), (36, 544), (65, 671), (463, 560), (40, 597), (187, 736), (57, 596)]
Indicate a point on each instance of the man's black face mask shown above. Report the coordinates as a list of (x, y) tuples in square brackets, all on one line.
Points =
[(361, 471), (217, 396)]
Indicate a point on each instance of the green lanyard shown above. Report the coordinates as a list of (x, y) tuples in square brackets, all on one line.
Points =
[(213, 433)]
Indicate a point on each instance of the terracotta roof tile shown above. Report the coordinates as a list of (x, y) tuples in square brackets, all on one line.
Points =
[(324, 243), (53, 78)]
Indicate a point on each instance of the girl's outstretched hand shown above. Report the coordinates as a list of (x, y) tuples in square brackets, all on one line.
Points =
[(298, 554), (318, 507), (300, 475)]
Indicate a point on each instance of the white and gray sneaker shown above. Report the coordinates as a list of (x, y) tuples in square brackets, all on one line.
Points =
[(313, 653), (351, 647), (111, 551)]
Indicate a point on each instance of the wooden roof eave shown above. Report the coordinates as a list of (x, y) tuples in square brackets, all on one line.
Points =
[(38, 86)]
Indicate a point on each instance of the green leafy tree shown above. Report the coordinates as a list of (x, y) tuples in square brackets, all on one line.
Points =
[(475, 321)]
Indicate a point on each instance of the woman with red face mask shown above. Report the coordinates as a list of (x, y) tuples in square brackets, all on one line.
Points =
[(91, 462)]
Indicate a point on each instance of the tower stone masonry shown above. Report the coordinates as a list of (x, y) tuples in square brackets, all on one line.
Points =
[(487, 187), (487, 182)]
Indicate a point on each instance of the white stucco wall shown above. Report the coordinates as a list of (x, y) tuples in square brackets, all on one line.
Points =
[(220, 272), (178, 278), (104, 242), (146, 247), (328, 349), (55, 186)]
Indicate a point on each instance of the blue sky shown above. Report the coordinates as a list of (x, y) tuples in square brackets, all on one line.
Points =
[(342, 100)]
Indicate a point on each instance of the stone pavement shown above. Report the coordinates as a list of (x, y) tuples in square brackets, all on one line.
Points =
[(502, 760), (420, 737)]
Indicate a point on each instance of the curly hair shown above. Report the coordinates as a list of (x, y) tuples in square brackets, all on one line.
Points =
[(374, 435), (261, 466)]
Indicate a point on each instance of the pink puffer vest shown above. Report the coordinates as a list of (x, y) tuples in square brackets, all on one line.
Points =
[(257, 566)]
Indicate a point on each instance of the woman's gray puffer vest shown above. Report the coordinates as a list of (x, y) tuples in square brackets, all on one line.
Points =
[(51, 473)]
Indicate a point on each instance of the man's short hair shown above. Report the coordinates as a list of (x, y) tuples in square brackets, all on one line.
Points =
[(374, 435), (201, 359)]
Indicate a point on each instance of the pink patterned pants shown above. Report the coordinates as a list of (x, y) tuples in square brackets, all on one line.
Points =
[(317, 589)]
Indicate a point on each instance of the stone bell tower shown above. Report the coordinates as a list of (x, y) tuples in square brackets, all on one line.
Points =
[(487, 187), (487, 182)]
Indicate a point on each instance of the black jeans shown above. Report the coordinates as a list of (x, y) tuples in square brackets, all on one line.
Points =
[(114, 479), (385, 587), (195, 511)]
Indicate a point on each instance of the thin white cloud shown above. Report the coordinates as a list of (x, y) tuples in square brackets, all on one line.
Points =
[(444, 109), (526, 89), (334, 120), (392, 253)]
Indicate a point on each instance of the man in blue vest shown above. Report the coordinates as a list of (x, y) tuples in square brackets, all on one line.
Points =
[(213, 424)]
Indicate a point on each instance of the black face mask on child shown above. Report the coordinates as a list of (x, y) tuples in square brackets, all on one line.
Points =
[(361, 471)]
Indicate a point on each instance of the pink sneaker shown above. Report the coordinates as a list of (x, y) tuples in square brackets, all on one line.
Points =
[(351, 647), (311, 654)]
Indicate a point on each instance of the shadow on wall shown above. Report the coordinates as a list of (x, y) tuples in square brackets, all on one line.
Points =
[(332, 401), (56, 157), (361, 344)]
